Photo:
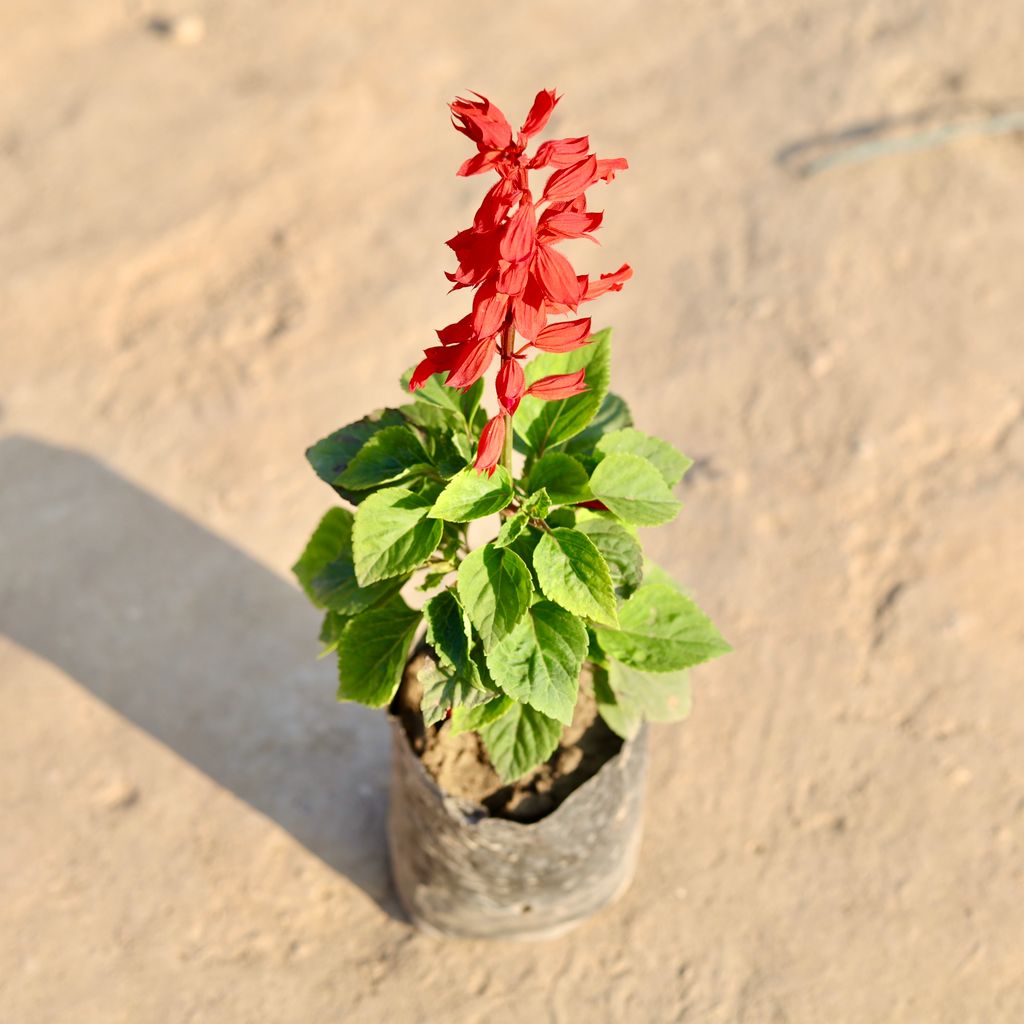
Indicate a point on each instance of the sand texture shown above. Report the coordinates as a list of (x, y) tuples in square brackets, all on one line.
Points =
[(221, 231)]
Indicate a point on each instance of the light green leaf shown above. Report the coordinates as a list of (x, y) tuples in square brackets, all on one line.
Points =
[(539, 662), (671, 463), (327, 573), (391, 535), (330, 631), (662, 630), (562, 476), (391, 453), (520, 740), (622, 719), (511, 528), (613, 415), (474, 719), (372, 652), (444, 691), (495, 588), (330, 457), (658, 697), (620, 550), (471, 495), (571, 571), (634, 490), (540, 424)]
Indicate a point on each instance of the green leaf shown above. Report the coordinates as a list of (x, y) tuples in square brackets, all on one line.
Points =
[(661, 697), (613, 415), (620, 550), (372, 653), (390, 454), (562, 476), (465, 719), (572, 572), (540, 424), (444, 691), (327, 573), (450, 636), (330, 631), (622, 719), (662, 630), (430, 417), (495, 588), (391, 535), (330, 457), (539, 662), (671, 463), (520, 740), (634, 490), (511, 528), (471, 495)]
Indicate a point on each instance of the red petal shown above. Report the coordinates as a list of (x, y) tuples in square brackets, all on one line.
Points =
[(512, 277), (539, 113), (557, 277), (489, 309), (529, 311), (567, 224), (606, 168), (510, 385), (558, 385), (470, 363), (492, 440), (458, 332), (482, 122), (520, 236), (563, 337), (571, 181), (496, 204), (608, 283), (476, 164), (560, 152)]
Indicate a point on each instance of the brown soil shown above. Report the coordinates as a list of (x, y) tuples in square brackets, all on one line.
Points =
[(461, 767)]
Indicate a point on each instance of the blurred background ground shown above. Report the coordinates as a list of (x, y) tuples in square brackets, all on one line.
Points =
[(220, 238)]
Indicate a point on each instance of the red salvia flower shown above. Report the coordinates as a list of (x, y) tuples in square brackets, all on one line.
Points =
[(492, 440), (508, 255)]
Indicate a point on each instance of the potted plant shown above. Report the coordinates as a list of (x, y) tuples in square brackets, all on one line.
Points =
[(519, 688)]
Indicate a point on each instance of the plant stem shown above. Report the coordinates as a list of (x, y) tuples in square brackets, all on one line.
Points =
[(508, 337)]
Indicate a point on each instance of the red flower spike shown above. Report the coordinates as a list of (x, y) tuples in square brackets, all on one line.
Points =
[(558, 385), (470, 363), (564, 337), (539, 113), (492, 440), (510, 386), (556, 276), (569, 182), (608, 283)]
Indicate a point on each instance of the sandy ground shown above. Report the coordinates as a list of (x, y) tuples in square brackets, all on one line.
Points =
[(214, 250)]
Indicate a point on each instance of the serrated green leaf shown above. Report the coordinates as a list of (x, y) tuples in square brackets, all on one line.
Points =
[(327, 572), (662, 630), (392, 453), (474, 719), (330, 456), (449, 634), (472, 495), (540, 424), (562, 476), (520, 740), (634, 490), (620, 550), (495, 589), (539, 662), (330, 631), (444, 691), (623, 719), (671, 463), (572, 572), (391, 535), (614, 414), (658, 697), (430, 417), (511, 528), (372, 652)]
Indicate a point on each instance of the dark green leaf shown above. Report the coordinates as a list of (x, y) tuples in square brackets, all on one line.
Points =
[(634, 490), (495, 589), (471, 495), (474, 719), (372, 652), (330, 631), (539, 661), (448, 631), (392, 535), (613, 415), (670, 462), (572, 572), (662, 630), (562, 476), (520, 740), (330, 457), (444, 691)]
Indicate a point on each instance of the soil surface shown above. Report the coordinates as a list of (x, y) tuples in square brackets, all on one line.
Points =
[(220, 240), (461, 767)]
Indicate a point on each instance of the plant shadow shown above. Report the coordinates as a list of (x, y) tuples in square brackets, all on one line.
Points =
[(189, 638)]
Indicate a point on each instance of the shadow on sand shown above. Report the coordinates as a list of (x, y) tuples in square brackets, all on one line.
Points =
[(189, 638)]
